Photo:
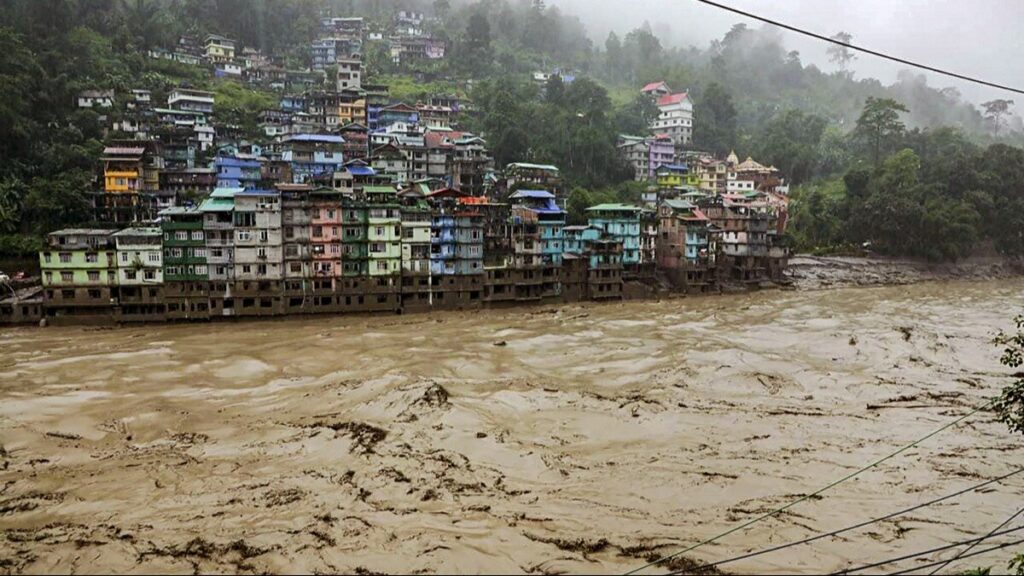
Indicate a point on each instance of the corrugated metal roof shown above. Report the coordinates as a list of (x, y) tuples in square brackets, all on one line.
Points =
[(535, 194)]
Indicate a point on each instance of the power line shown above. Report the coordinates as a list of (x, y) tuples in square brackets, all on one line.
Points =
[(927, 552), (868, 522), (965, 556), (860, 48), (806, 497), (968, 549)]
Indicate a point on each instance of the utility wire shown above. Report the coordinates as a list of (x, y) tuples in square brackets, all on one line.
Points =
[(968, 549), (965, 556), (927, 552), (860, 48), (868, 522), (806, 497)]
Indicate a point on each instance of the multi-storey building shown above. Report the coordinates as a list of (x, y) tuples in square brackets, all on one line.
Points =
[(355, 251), (186, 272), (456, 255), (239, 171), (685, 248), (533, 176), (416, 247), (675, 118), (79, 275), (350, 73), (188, 100), (621, 222), (140, 274), (540, 243), (646, 155), (298, 208), (384, 230), (219, 49), (326, 238), (313, 157), (593, 264), (357, 141)]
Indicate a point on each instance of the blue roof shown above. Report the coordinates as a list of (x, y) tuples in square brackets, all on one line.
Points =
[(361, 171), (538, 194), (675, 167), (316, 138), (257, 193)]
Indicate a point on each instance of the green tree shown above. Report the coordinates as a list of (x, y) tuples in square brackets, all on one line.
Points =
[(841, 55), (715, 120), (995, 110), (879, 127)]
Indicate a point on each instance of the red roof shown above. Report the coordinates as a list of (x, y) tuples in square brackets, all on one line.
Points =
[(697, 215), (447, 193), (672, 99), (654, 86), (437, 140)]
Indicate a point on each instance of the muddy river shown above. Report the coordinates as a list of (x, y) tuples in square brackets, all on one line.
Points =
[(577, 439)]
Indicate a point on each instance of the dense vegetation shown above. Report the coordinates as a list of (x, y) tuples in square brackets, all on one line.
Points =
[(908, 168)]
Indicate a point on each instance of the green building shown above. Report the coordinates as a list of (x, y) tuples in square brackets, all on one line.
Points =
[(383, 231), (79, 272)]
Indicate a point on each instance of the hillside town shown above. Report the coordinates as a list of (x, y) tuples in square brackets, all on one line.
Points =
[(353, 201)]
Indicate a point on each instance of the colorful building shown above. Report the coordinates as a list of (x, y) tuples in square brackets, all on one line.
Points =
[(622, 223), (79, 274)]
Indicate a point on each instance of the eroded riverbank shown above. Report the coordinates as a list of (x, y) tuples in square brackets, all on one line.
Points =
[(588, 437)]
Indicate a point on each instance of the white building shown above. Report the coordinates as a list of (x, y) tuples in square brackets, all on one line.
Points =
[(350, 73), (675, 118), (96, 99), (140, 260), (191, 100)]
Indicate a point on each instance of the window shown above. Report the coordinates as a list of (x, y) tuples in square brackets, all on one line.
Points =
[(154, 257), (244, 236), (176, 252), (111, 277), (150, 275), (246, 269), (318, 232), (199, 252), (201, 270), (261, 269), (197, 235), (380, 230), (264, 236), (181, 235), (382, 266), (65, 258), (130, 274), (261, 252), (124, 257)]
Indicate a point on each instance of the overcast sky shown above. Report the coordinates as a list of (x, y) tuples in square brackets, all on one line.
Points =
[(980, 38)]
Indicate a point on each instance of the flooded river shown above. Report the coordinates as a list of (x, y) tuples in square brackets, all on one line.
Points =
[(573, 439)]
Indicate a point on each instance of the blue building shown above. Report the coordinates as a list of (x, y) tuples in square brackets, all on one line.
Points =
[(238, 172), (314, 158), (622, 223), (550, 222)]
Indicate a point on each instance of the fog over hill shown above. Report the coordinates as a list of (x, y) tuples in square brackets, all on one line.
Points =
[(981, 38)]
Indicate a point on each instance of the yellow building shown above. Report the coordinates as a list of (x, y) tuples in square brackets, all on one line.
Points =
[(219, 48), (671, 176), (352, 107)]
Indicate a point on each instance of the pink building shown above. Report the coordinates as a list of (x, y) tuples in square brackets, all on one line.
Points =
[(325, 236)]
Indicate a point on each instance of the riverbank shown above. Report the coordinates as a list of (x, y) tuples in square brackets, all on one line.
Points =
[(575, 439), (821, 272)]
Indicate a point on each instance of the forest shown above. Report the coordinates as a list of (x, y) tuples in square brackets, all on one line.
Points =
[(907, 169)]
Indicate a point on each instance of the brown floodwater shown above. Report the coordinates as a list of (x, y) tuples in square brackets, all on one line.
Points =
[(573, 439)]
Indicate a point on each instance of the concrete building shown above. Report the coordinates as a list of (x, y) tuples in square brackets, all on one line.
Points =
[(621, 222), (140, 274), (186, 272), (79, 275), (675, 118)]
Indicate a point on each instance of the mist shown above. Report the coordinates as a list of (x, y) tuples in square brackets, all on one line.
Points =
[(981, 38)]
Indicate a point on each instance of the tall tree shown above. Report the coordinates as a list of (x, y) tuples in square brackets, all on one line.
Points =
[(995, 110), (879, 126), (841, 55), (714, 120)]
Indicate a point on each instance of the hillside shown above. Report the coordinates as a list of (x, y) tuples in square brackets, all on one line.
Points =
[(750, 95)]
